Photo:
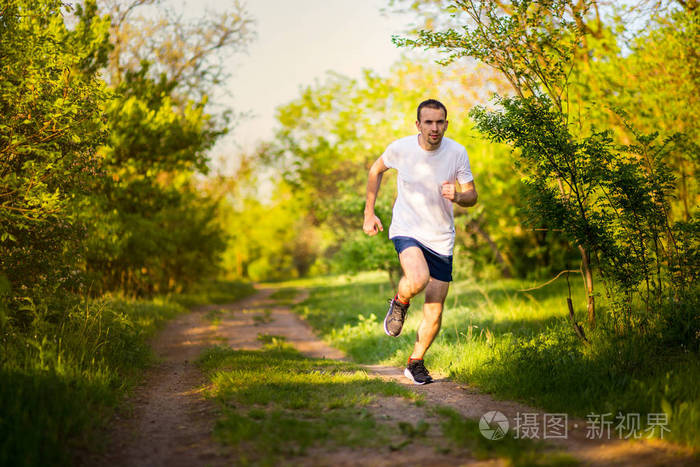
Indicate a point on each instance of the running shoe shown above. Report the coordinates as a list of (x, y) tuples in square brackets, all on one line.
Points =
[(393, 322), (416, 372)]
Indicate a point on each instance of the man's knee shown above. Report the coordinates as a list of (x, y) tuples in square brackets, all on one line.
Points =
[(417, 282)]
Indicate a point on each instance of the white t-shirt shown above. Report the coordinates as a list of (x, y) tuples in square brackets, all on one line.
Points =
[(420, 211)]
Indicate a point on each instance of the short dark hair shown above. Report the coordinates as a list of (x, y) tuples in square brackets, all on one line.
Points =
[(431, 104)]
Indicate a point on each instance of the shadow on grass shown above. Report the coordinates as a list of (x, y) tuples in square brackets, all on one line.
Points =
[(44, 414)]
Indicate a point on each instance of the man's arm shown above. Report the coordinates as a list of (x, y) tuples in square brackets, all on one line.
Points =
[(372, 225), (465, 197)]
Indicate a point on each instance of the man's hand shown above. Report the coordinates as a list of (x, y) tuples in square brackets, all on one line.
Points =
[(448, 191), (372, 225), (466, 197)]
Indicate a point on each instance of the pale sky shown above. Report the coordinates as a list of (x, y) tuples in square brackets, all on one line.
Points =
[(297, 42)]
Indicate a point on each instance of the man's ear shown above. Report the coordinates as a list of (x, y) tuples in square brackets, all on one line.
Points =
[(418, 124)]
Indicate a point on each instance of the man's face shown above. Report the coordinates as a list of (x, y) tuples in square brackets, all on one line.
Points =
[(432, 126)]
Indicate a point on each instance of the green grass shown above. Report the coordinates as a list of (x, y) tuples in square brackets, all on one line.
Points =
[(277, 403), (61, 381), (519, 346)]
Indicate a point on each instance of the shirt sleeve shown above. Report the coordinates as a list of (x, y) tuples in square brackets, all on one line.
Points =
[(389, 157), (464, 171)]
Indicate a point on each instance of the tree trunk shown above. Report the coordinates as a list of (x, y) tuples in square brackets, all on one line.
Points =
[(586, 267), (588, 276)]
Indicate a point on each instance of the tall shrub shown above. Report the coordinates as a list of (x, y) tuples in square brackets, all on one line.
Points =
[(51, 104)]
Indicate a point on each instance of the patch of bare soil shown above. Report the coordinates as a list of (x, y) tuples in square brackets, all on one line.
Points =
[(171, 422)]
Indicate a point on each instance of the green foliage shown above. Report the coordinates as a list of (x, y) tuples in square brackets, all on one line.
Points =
[(173, 132), (156, 239), (362, 253), (358, 252), (267, 240), (51, 104), (615, 201), (96, 180), (650, 78), (97, 193), (153, 231)]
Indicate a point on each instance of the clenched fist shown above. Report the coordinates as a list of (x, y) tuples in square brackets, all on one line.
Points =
[(448, 191), (372, 225)]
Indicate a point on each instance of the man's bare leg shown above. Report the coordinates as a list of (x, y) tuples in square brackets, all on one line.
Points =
[(435, 294), (415, 278), (416, 275)]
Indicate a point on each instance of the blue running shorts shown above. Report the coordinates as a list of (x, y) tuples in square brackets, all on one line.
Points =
[(440, 266)]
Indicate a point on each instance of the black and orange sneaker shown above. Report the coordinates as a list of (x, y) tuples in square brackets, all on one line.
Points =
[(416, 372), (395, 316)]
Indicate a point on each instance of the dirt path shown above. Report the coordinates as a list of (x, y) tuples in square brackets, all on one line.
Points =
[(171, 423)]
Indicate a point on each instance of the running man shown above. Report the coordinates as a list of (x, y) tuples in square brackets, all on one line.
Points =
[(429, 167)]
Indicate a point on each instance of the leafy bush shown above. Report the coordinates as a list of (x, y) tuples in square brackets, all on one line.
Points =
[(52, 104), (615, 204)]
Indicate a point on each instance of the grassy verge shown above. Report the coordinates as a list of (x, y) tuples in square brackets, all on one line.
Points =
[(276, 404), (521, 346), (63, 379)]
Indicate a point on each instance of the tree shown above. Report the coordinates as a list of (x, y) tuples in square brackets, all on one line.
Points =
[(152, 229), (190, 53), (51, 106), (156, 143), (654, 82)]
